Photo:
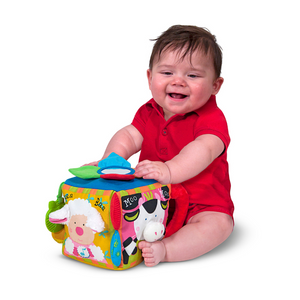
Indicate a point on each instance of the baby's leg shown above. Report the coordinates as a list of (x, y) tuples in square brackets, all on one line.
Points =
[(203, 232)]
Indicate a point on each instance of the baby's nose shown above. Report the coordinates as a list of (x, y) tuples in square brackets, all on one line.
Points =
[(178, 80), (79, 230)]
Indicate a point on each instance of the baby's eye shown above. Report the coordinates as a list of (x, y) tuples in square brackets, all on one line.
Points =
[(193, 76), (167, 73)]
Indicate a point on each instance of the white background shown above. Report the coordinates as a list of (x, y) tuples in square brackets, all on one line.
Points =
[(74, 72)]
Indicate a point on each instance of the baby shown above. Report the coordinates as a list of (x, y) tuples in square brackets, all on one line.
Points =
[(183, 138)]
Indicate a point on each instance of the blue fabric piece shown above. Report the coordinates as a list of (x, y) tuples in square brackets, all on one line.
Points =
[(114, 160), (103, 184), (115, 249)]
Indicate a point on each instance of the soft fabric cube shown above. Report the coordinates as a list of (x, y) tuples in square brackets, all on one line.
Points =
[(101, 221)]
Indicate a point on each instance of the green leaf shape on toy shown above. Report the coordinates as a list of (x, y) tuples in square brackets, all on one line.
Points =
[(85, 172)]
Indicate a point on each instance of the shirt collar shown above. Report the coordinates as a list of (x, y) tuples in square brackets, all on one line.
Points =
[(211, 102)]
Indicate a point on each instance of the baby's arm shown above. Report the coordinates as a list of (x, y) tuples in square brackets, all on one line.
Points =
[(191, 161), (125, 143)]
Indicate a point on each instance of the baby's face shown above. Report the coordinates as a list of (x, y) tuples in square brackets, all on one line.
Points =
[(181, 86)]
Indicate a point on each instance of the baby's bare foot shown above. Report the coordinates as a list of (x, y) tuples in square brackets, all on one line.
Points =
[(153, 253)]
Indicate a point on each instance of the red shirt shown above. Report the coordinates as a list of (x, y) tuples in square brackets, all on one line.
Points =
[(165, 139)]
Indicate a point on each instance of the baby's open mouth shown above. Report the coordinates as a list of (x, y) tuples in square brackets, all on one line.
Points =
[(177, 96)]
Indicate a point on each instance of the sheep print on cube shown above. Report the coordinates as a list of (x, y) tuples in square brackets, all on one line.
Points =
[(102, 213)]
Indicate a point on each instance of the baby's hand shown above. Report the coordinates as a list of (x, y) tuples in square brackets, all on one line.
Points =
[(153, 170), (95, 163)]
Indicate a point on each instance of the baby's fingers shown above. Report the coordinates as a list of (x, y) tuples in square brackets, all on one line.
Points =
[(143, 163), (142, 167), (143, 171), (95, 163)]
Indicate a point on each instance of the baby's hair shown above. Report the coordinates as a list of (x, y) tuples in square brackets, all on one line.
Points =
[(188, 39)]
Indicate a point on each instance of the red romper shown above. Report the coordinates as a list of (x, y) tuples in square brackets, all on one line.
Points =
[(209, 190)]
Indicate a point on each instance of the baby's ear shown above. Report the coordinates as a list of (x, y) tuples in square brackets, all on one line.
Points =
[(217, 85), (149, 76)]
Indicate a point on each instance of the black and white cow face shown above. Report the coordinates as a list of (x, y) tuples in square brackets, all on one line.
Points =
[(151, 211)]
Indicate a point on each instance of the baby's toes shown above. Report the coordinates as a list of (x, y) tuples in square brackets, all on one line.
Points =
[(144, 245)]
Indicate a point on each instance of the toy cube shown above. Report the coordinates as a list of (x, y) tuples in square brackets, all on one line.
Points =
[(101, 214)]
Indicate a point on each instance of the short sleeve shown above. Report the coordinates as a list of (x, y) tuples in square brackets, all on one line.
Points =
[(140, 118), (213, 122)]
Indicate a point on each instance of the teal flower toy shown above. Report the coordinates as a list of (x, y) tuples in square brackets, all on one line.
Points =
[(113, 167)]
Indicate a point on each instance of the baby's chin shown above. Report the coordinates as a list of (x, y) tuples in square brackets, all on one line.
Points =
[(172, 110)]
